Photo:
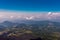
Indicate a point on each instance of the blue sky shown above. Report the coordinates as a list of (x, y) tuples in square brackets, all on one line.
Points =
[(30, 5)]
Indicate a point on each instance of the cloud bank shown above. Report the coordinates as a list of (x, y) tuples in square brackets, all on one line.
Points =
[(8, 15)]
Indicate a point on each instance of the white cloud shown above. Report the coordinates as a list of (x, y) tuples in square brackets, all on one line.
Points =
[(1, 16), (30, 18), (8, 15), (49, 13), (11, 17)]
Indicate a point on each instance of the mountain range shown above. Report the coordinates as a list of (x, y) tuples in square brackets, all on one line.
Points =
[(31, 24)]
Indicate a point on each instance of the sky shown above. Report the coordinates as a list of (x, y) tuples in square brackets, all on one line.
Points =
[(30, 5), (30, 9)]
